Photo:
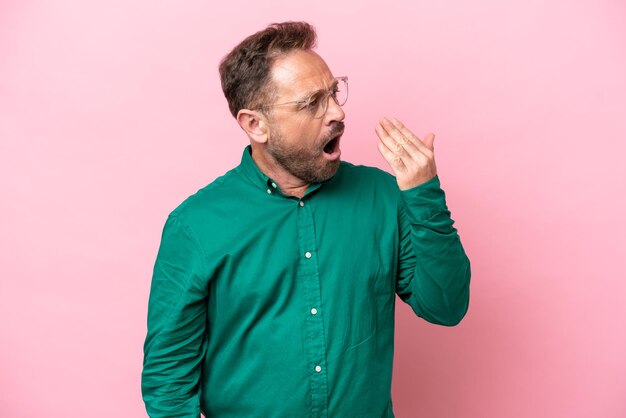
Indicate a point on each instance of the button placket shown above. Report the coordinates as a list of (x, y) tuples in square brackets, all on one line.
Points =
[(314, 324)]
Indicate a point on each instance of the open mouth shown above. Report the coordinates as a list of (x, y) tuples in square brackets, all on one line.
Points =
[(331, 146), (331, 149)]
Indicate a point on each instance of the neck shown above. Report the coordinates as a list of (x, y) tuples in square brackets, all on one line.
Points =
[(288, 183)]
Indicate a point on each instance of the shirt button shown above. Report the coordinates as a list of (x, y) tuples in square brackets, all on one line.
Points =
[(314, 311), (318, 369), (301, 203), (269, 191), (307, 254), (273, 185)]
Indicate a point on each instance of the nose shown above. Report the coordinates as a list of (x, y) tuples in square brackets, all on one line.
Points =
[(334, 112)]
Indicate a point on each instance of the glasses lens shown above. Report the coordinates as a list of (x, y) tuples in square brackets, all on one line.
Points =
[(341, 92), (339, 95)]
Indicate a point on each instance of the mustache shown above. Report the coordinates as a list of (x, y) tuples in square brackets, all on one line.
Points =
[(336, 128)]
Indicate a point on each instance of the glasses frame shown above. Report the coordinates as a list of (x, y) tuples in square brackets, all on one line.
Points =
[(328, 93)]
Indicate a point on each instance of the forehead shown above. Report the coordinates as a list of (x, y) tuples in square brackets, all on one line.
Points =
[(300, 72)]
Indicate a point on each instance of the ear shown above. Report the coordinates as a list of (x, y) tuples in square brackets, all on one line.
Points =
[(254, 124)]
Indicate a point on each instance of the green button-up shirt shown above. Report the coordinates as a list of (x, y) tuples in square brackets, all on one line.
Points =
[(266, 305)]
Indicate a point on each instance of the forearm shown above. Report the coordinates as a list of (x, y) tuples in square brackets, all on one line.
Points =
[(171, 373), (435, 274), (176, 339)]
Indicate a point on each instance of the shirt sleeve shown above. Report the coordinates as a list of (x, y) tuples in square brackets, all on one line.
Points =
[(176, 339), (433, 269)]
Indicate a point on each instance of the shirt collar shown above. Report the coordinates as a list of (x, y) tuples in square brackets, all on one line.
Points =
[(260, 180), (252, 171)]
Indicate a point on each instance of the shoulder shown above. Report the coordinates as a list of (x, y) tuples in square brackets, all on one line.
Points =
[(210, 199)]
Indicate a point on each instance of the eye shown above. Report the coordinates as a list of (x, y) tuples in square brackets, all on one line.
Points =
[(313, 102)]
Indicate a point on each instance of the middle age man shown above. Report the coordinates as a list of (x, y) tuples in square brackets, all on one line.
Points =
[(274, 288)]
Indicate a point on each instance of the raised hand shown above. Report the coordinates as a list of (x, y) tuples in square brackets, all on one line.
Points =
[(411, 159)]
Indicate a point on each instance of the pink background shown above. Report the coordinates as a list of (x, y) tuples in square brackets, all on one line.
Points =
[(111, 114)]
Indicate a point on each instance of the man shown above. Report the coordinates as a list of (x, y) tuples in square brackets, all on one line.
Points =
[(274, 287)]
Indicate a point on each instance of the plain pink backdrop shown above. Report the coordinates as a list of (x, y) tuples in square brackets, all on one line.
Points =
[(111, 114)]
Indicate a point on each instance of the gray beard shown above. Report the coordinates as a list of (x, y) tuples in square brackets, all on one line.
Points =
[(306, 164)]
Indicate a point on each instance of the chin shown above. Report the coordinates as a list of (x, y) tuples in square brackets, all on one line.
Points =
[(329, 170)]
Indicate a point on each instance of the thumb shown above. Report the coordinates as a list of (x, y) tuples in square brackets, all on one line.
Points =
[(429, 141)]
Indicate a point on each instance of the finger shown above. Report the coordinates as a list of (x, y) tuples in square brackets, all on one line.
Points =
[(390, 143), (397, 134), (412, 157), (393, 159), (419, 144), (429, 141), (396, 142)]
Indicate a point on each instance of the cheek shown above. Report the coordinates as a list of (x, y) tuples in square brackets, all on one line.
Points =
[(311, 131), (304, 131), (302, 124)]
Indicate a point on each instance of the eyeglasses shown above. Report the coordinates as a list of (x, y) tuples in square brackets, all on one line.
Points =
[(317, 103)]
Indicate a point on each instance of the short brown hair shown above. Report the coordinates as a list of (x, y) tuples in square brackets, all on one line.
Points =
[(245, 71)]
